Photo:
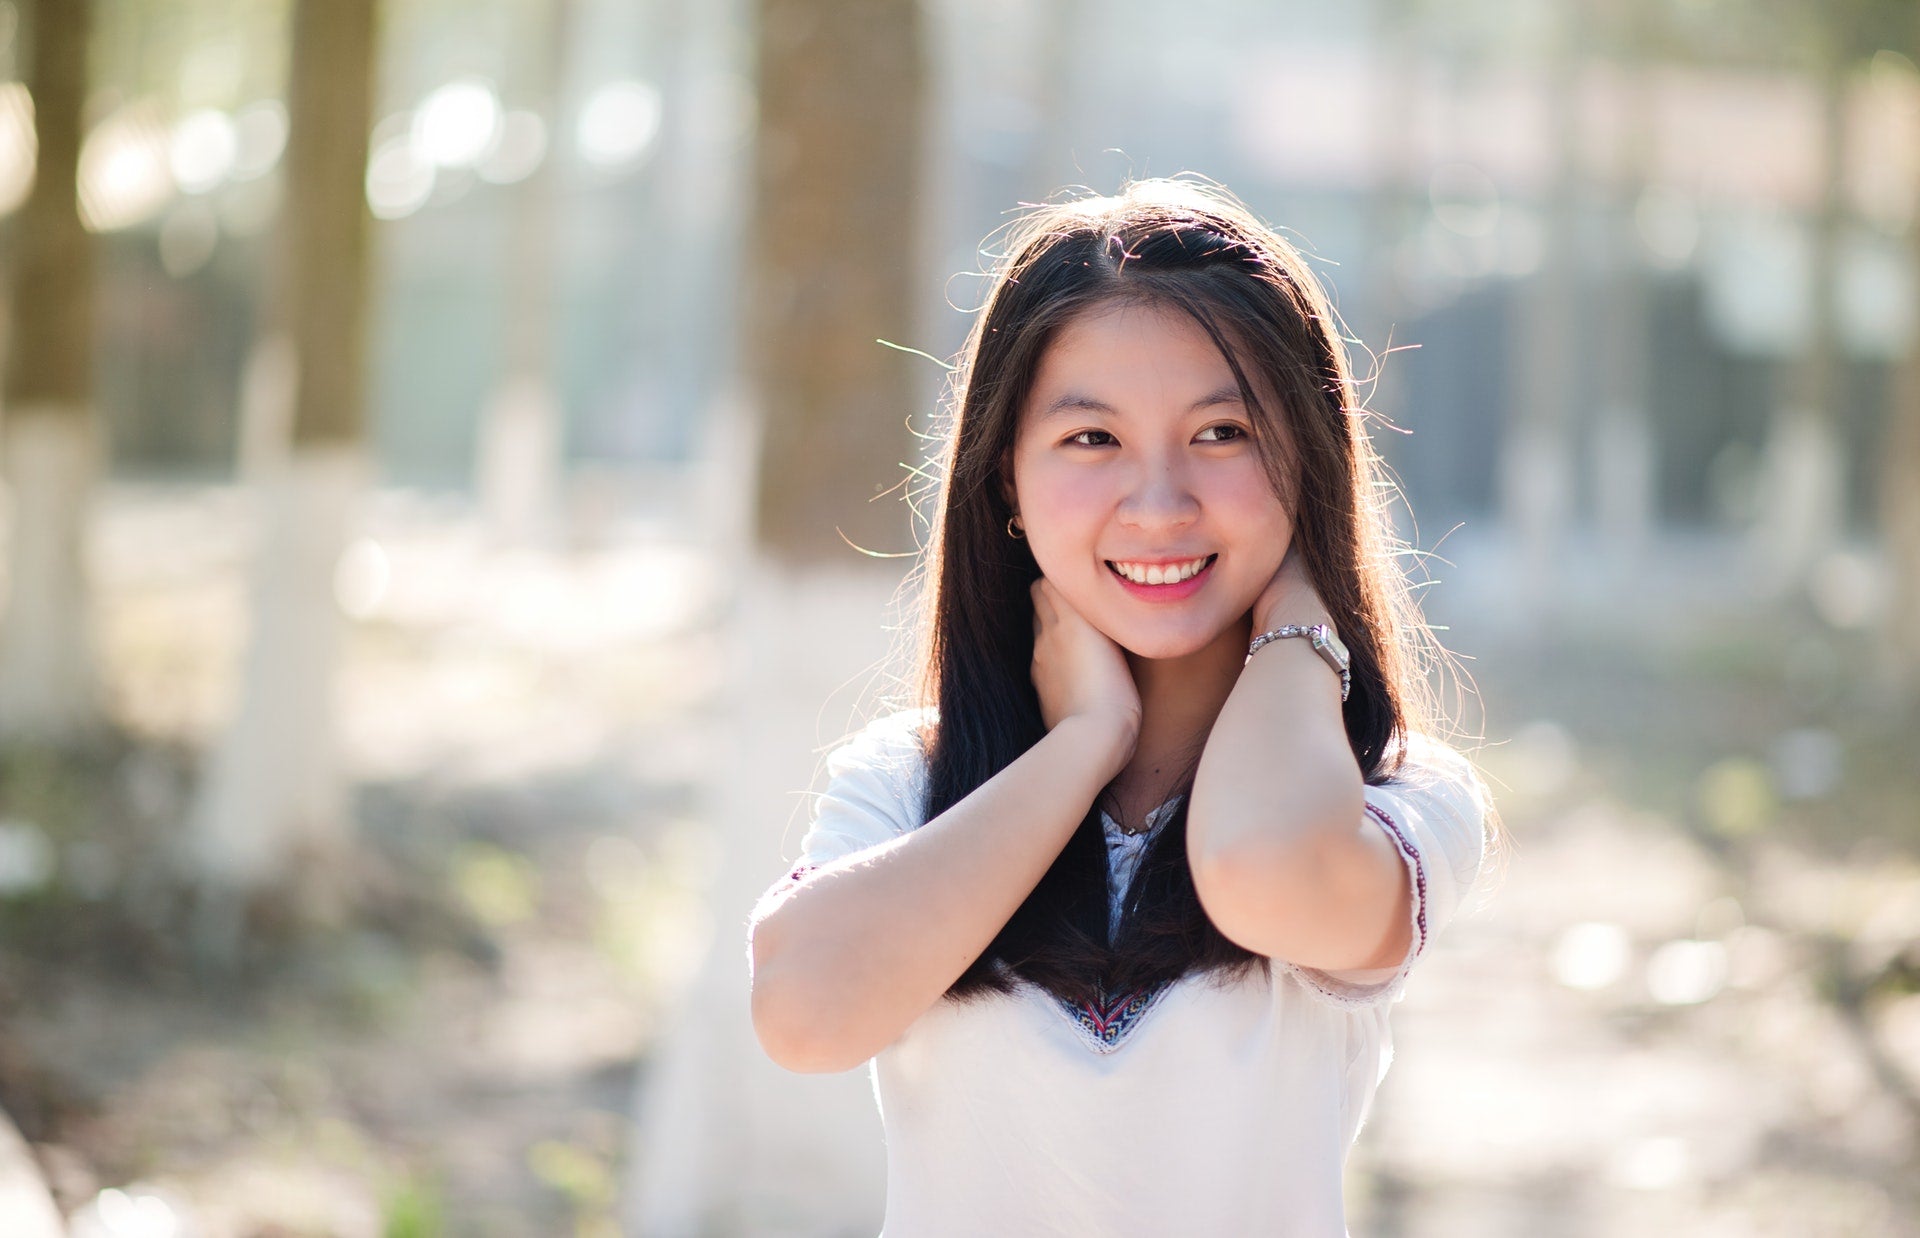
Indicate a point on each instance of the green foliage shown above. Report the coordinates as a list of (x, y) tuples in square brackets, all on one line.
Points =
[(499, 887), (1781, 34), (1736, 797), (191, 53), (414, 1209), (582, 1175)]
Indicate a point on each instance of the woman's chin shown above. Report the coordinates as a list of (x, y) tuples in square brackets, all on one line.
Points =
[(1164, 644), (1163, 648)]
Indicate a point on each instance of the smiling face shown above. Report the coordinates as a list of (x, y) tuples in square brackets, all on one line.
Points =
[(1135, 451)]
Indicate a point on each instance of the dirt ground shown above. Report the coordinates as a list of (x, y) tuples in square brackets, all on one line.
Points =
[(1690, 1004), (456, 1055)]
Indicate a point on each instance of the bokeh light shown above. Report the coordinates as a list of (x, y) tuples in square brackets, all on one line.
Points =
[(617, 125), (1686, 972), (458, 125), (520, 150), (203, 150), (399, 177), (260, 137), (361, 580), (17, 145), (1591, 955), (126, 175)]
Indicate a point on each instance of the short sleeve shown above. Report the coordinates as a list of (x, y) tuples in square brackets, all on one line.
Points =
[(1435, 812), (875, 791)]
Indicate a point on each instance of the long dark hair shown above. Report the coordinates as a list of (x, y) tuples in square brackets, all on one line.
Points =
[(1191, 248)]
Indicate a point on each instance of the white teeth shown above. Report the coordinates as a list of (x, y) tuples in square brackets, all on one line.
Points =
[(1157, 575)]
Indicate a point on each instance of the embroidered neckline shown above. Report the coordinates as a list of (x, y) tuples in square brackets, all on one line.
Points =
[(1105, 1022)]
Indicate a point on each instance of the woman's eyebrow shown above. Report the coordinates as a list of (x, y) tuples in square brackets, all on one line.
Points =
[(1074, 401), (1225, 395)]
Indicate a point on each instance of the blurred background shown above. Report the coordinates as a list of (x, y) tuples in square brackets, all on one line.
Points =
[(462, 466)]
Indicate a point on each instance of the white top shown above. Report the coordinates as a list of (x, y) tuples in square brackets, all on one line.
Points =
[(1199, 1109)]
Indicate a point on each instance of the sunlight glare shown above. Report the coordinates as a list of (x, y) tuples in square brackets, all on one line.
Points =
[(124, 174), (1591, 955), (202, 150), (361, 578), (260, 138), (399, 179), (17, 145), (1651, 1164), (522, 145), (1687, 972), (126, 1214), (458, 125), (618, 124)]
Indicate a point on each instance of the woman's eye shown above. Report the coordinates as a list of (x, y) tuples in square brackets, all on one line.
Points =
[(1076, 438), (1234, 433)]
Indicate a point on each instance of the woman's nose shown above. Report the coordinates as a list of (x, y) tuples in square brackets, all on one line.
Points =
[(1162, 497)]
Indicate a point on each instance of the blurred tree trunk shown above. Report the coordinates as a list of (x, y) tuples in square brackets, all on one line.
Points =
[(1804, 476), (48, 679), (1900, 518), (273, 802), (518, 470), (730, 1143), (831, 271), (1536, 465), (1900, 502)]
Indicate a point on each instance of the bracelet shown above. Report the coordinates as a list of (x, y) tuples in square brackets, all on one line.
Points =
[(1325, 643)]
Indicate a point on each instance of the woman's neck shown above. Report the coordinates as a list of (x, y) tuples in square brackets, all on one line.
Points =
[(1179, 700)]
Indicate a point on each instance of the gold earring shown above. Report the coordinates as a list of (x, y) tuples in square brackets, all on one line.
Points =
[(1017, 535)]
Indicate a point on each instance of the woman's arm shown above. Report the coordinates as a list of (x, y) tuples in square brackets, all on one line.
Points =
[(1285, 858), (851, 956)]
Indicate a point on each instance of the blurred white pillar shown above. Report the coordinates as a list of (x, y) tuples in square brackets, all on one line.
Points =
[(1800, 499), (518, 470), (267, 386), (49, 684), (273, 793), (727, 1143)]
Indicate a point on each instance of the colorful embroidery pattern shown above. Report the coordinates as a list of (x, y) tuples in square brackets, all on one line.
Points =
[(1105, 1022)]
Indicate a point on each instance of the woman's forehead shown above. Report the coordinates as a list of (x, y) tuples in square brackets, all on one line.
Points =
[(1125, 358)]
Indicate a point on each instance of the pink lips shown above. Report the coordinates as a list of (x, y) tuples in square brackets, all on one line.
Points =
[(1167, 593)]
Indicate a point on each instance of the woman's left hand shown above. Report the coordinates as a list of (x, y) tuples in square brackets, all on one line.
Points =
[(1290, 596)]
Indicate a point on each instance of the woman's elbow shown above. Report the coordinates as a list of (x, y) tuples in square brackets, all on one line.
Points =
[(793, 1041), (786, 1014)]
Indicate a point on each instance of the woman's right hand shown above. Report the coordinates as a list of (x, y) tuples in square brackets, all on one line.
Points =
[(1078, 670)]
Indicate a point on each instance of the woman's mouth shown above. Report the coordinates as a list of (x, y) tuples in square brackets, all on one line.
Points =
[(1163, 582)]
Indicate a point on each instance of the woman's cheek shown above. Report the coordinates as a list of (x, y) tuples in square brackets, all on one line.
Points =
[(1063, 514)]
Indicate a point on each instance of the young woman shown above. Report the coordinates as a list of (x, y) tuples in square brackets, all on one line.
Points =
[(1117, 910)]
